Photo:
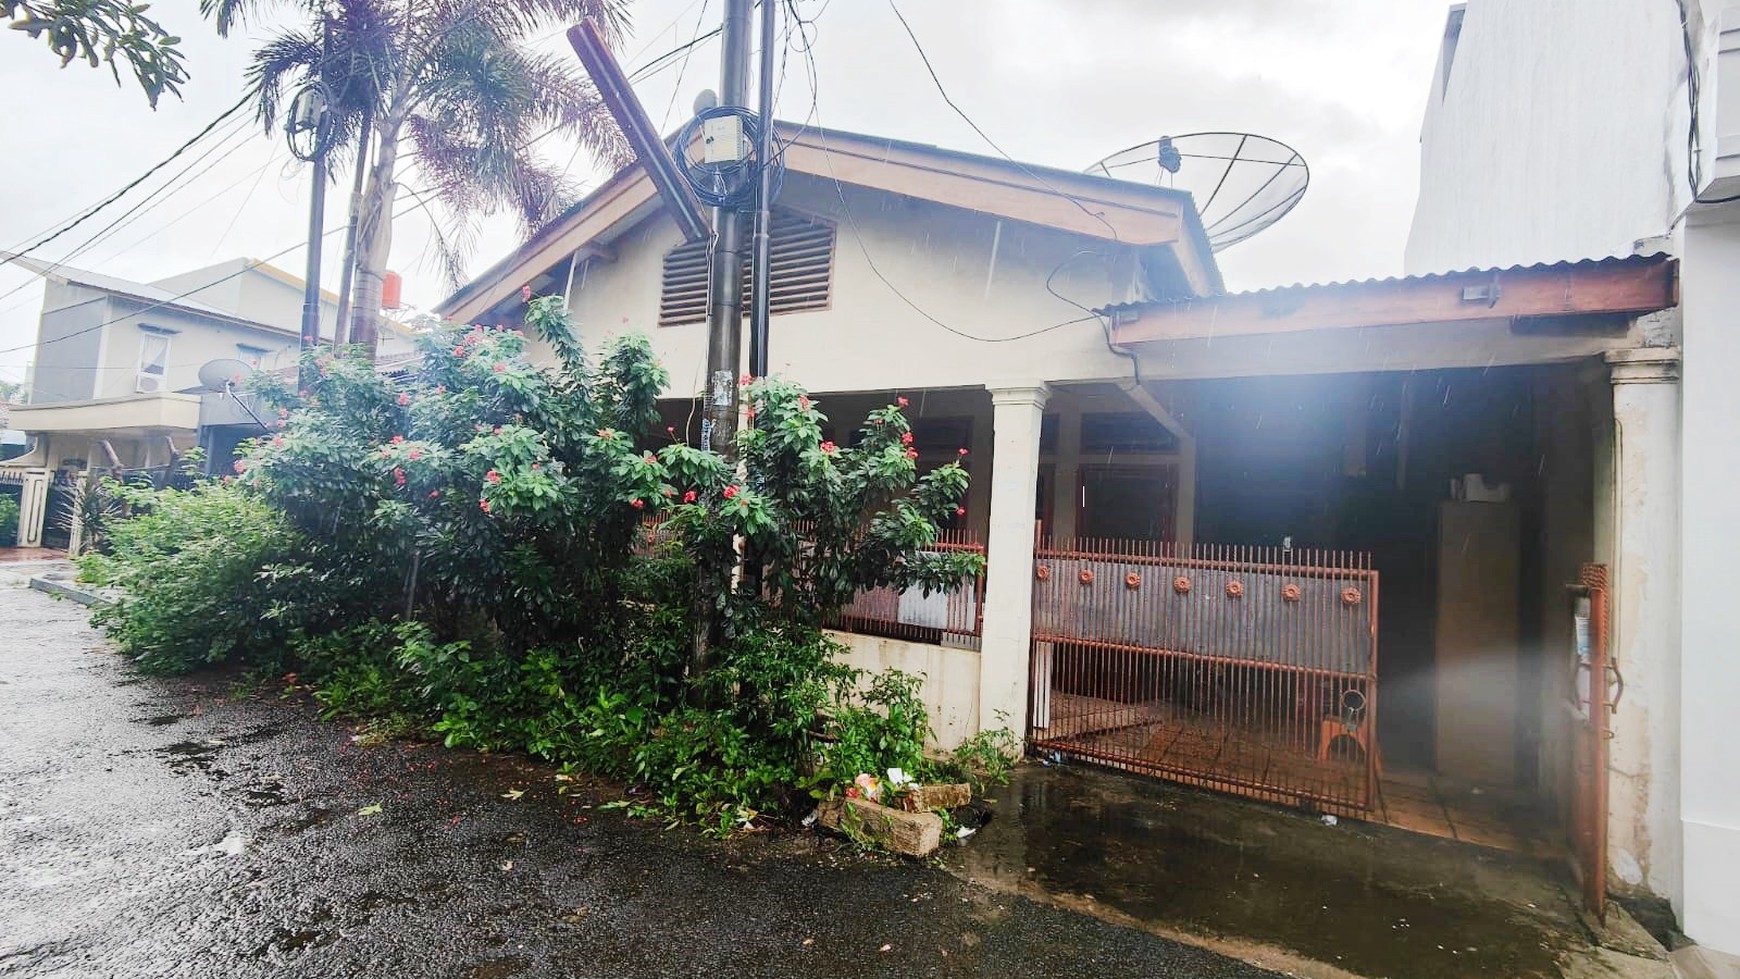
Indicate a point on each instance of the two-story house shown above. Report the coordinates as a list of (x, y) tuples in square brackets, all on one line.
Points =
[(115, 382)]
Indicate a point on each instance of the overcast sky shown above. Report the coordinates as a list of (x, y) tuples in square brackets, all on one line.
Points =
[(1059, 82)]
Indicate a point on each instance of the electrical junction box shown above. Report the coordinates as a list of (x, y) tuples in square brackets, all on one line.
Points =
[(722, 140)]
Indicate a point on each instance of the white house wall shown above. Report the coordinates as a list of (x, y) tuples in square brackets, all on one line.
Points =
[(871, 338), (1559, 135), (197, 341)]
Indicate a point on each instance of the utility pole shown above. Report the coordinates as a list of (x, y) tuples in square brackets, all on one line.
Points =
[(760, 294), (725, 281), (309, 133)]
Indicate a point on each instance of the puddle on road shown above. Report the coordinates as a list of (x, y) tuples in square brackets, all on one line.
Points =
[(1367, 899)]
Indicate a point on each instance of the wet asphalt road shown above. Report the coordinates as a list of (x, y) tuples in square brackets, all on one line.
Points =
[(172, 828)]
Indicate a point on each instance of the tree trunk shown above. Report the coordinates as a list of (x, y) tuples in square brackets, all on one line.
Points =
[(375, 239)]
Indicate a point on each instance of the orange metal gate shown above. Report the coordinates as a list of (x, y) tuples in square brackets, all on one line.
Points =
[(1595, 691), (1246, 669)]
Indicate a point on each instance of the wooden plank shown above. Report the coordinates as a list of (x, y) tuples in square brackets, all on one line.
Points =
[(1593, 288)]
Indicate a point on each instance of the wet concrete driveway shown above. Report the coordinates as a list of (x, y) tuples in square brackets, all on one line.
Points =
[(174, 829)]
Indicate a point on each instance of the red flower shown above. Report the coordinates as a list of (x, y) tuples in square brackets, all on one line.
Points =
[(440, 389), (416, 454), (689, 497), (459, 350), (961, 451), (399, 476), (637, 503), (745, 381), (902, 402), (484, 504), (649, 458), (526, 293), (492, 476), (804, 402), (283, 412), (434, 493), (537, 466), (669, 491), (241, 465), (404, 398), (829, 447), (670, 429), (500, 367), (397, 439), (905, 438), (960, 511), (912, 453), (606, 434), (730, 492)]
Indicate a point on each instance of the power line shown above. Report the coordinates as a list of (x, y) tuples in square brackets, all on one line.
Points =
[(1101, 218), (117, 195), (863, 247), (150, 203)]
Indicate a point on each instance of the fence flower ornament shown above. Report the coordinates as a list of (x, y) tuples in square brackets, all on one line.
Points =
[(1181, 585), (1132, 581), (1292, 593), (1042, 572), (1235, 589), (1085, 576)]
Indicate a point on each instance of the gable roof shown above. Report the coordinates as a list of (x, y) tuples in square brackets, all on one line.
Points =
[(157, 296), (1121, 211)]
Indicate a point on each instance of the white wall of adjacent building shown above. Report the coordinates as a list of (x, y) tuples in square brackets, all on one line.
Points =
[(1553, 129), (1559, 129)]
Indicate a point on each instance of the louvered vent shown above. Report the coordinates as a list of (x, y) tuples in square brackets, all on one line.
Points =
[(803, 266)]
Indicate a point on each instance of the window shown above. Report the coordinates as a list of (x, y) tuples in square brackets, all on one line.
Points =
[(153, 359), (250, 354), (802, 274)]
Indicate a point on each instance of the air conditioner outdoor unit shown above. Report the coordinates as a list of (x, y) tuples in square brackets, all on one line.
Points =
[(149, 384)]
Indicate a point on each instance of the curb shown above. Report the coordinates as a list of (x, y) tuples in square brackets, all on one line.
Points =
[(71, 593)]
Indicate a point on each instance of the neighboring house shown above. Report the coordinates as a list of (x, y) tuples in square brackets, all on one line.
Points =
[(1565, 128), (1188, 497), (115, 380)]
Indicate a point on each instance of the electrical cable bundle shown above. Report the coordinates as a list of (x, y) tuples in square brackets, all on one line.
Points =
[(731, 184)]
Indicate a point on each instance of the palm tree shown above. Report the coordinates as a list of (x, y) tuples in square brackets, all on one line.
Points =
[(460, 80)]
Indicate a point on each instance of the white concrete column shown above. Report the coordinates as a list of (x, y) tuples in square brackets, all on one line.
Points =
[(1709, 618), (1643, 848), (33, 508), (1004, 650)]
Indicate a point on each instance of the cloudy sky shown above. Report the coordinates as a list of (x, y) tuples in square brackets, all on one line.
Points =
[(1059, 82)]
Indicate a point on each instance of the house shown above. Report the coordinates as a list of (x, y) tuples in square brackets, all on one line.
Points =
[(1582, 129), (1189, 497), (115, 382)]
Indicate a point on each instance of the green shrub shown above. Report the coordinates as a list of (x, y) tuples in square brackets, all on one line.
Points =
[(203, 575), (8, 520)]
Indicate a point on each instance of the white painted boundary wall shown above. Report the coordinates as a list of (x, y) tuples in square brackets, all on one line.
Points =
[(951, 679)]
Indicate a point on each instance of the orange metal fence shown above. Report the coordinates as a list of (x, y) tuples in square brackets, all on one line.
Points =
[(954, 618), (1247, 669)]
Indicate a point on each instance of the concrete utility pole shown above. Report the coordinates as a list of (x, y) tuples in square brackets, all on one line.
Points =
[(725, 281), (760, 294)]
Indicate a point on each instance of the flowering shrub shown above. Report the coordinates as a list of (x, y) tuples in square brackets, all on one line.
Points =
[(477, 494), (456, 546)]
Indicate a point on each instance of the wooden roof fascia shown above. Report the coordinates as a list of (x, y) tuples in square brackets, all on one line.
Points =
[(978, 188), (1581, 289), (614, 203)]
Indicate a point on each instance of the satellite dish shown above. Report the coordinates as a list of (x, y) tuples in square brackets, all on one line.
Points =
[(220, 374), (1242, 182)]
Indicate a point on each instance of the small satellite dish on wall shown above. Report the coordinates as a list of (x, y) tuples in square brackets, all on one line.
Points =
[(221, 374), (1242, 182)]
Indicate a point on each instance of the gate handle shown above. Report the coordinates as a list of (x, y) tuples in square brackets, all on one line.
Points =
[(1618, 695)]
